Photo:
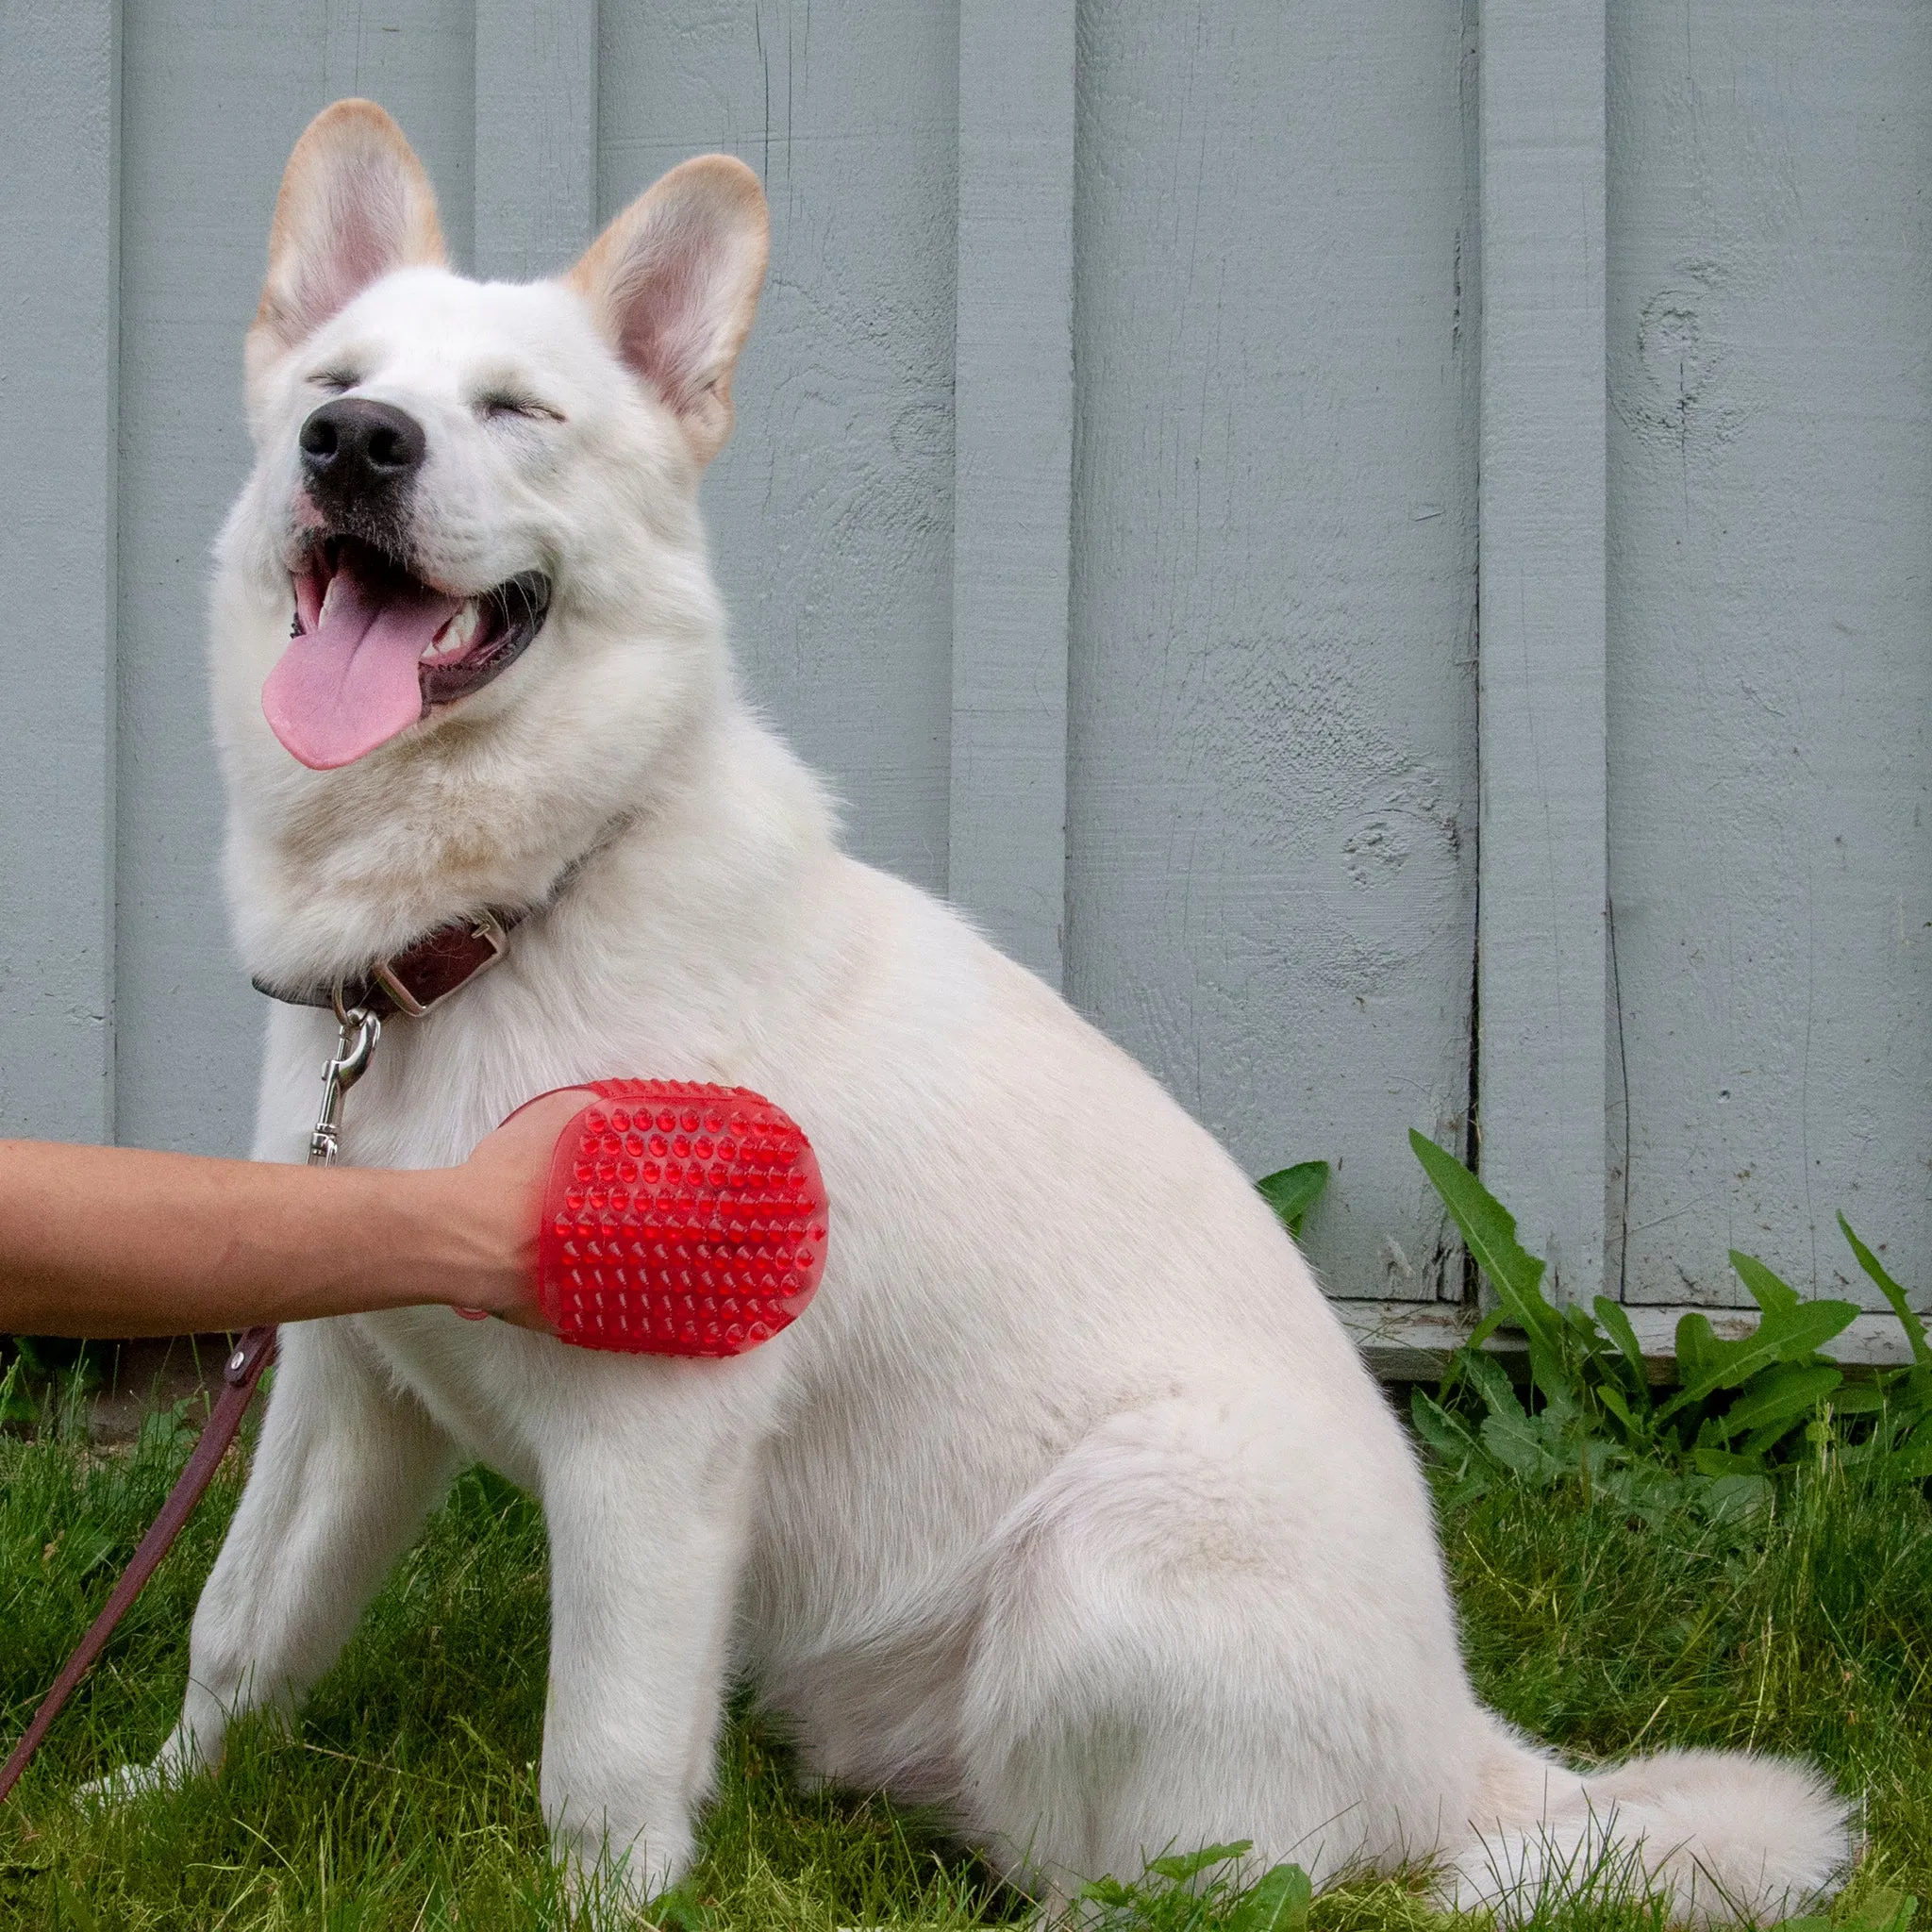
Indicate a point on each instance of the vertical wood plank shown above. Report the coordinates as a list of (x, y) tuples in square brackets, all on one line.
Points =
[(59, 388), (1272, 787), (829, 512), (1012, 476), (1769, 273), (1541, 928), (212, 100), (536, 135)]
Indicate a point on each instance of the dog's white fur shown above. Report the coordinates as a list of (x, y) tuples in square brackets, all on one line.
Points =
[(1068, 1506)]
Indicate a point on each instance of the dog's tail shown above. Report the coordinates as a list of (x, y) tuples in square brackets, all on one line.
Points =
[(1722, 1836)]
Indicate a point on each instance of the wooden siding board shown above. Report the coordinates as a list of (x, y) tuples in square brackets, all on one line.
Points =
[(830, 510), (1414, 1342), (1271, 781), (59, 390), (1012, 476), (1771, 640), (536, 136), (214, 99), (1543, 953)]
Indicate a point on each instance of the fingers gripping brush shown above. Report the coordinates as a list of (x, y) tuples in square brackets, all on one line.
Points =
[(679, 1219)]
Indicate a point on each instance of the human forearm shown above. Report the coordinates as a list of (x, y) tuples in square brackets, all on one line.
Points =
[(100, 1240), (108, 1240)]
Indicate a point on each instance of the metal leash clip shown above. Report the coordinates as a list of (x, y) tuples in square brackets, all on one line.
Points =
[(358, 1029)]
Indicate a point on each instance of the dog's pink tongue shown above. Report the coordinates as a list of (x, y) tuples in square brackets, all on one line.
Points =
[(350, 684)]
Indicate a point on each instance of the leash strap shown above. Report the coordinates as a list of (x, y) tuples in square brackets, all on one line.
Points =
[(410, 983), (360, 1030), (251, 1355)]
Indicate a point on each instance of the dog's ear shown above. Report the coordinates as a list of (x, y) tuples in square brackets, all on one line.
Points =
[(355, 204), (674, 283)]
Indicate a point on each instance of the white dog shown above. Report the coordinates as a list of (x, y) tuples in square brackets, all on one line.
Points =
[(1068, 1505)]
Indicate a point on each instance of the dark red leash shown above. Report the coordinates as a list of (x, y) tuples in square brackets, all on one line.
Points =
[(251, 1355), (410, 983)]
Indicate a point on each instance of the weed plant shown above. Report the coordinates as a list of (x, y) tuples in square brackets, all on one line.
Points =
[(1740, 1412)]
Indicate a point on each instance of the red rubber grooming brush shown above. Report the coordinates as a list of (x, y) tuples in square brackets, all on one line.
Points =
[(680, 1219)]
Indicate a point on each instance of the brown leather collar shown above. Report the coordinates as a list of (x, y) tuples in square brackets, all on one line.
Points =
[(412, 980)]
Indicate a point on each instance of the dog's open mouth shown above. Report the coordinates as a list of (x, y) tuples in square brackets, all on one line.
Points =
[(375, 648)]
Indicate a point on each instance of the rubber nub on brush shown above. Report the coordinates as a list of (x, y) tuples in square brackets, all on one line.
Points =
[(680, 1219)]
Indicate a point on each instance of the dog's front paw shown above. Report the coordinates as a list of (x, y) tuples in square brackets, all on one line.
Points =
[(622, 1882), (127, 1785), (173, 1765)]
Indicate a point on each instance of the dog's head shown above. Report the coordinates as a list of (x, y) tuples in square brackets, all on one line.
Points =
[(469, 539)]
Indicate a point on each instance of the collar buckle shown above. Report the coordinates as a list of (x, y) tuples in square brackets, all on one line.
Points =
[(435, 967)]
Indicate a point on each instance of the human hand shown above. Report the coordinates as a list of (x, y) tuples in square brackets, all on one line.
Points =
[(497, 1199)]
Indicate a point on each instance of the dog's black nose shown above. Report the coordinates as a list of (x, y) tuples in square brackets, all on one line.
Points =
[(354, 448)]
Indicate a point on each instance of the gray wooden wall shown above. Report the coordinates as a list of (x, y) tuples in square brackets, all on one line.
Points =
[(1136, 388)]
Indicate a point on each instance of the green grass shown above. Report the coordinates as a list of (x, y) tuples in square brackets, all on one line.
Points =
[(406, 1798)]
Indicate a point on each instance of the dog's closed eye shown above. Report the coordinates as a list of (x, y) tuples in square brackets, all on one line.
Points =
[(335, 381), (496, 404)]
